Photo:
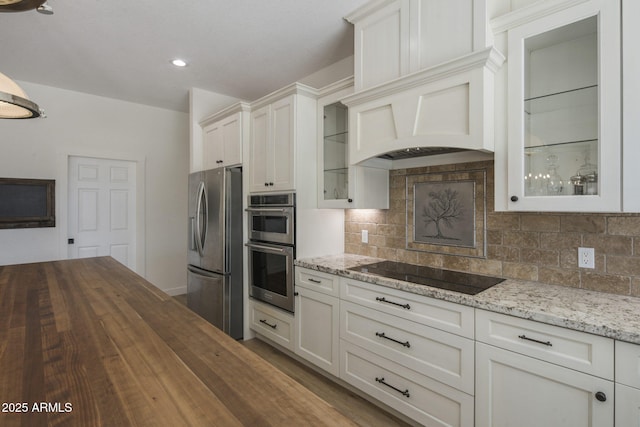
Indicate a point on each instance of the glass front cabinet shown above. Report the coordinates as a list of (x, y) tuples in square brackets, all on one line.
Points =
[(563, 109), (341, 185)]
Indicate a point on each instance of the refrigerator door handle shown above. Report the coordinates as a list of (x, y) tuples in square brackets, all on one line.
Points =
[(201, 229), (192, 234)]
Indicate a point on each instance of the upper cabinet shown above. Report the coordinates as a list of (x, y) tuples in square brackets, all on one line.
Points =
[(341, 185), (394, 38), (223, 136), (424, 78), (282, 143), (564, 137)]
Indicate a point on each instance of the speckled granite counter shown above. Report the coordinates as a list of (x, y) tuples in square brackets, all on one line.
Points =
[(609, 315)]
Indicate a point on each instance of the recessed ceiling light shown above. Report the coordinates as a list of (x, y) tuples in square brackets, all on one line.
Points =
[(179, 63)]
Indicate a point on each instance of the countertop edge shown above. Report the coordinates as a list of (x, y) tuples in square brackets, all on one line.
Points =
[(608, 315)]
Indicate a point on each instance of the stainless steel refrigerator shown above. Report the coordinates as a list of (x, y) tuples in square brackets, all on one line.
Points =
[(214, 278)]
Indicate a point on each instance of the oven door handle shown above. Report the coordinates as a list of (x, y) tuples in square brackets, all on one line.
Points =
[(265, 248), (266, 209)]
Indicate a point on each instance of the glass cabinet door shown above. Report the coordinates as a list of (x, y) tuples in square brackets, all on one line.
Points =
[(561, 111), (564, 120), (335, 150)]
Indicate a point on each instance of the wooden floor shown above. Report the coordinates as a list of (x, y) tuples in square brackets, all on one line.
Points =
[(348, 403)]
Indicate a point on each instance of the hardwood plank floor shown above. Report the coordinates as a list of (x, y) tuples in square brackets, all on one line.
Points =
[(361, 411)]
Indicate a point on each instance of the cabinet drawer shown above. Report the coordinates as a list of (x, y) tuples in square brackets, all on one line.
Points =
[(440, 355), (584, 352), (628, 364), (317, 281), (443, 315), (272, 323), (421, 398)]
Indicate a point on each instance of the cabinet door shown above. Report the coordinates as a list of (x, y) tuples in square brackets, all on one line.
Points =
[(259, 147), (627, 406), (564, 111), (333, 155), (280, 169), (382, 45), (232, 140), (516, 390), (317, 322), (445, 31), (212, 146)]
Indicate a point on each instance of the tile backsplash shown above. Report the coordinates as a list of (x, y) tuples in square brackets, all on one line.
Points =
[(540, 246)]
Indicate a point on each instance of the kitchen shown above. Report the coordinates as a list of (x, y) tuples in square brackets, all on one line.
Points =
[(532, 245)]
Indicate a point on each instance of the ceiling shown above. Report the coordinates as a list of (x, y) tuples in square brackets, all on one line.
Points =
[(123, 49)]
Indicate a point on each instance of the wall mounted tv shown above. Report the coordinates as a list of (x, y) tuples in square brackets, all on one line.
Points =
[(27, 203)]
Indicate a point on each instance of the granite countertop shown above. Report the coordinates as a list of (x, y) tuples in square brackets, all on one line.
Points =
[(608, 315)]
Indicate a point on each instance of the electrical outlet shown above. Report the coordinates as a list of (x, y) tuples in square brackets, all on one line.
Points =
[(365, 236), (586, 258)]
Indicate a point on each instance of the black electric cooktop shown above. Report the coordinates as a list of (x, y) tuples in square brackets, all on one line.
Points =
[(465, 283)]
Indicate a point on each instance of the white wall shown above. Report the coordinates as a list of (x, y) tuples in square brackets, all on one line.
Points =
[(93, 126)]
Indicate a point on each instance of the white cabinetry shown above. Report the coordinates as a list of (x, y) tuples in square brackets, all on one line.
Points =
[(223, 137), (530, 374), (317, 319), (282, 128), (423, 78), (397, 37), (339, 184), (399, 348), (449, 105), (563, 107), (276, 325), (627, 384)]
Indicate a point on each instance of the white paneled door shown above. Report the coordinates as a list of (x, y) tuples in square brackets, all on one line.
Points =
[(102, 209)]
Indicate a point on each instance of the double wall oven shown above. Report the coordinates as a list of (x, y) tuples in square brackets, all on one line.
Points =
[(272, 248)]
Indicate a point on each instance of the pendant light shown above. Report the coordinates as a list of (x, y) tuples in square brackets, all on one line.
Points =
[(14, 103), (19, 5)]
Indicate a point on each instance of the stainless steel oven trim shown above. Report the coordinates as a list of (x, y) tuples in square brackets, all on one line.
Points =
[(285, 302)]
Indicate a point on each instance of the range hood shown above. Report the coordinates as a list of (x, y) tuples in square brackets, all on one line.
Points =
[(442, 109), (410, 153)]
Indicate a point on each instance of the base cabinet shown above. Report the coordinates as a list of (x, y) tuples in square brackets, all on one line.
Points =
[(272, 323), (627, 384), (530, 374), (317, 322), (627, 406), (419, 397), (411, 352), (516, 390)]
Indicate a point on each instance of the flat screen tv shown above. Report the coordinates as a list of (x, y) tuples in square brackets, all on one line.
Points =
[(27, 203)]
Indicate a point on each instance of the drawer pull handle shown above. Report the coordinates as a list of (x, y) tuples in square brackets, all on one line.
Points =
[(404, 393), (382, 335), (601, 397), (383, 299), (274, 326), (524, 337), (315, 280)]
